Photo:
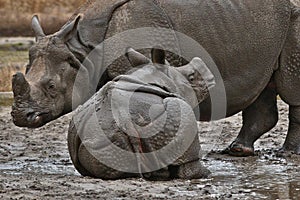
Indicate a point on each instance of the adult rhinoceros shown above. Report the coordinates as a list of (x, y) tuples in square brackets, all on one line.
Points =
[(255, 45)]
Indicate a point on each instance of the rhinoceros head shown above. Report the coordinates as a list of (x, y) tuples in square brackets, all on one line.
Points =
[(196, 72), (45, 91)]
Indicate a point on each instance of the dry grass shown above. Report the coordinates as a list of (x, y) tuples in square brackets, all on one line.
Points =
[(10, 63), (15, 15), (6, 74)]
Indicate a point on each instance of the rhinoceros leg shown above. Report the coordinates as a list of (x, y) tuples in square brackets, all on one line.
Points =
[(192, 170), (260, 117), (292, 141), (287, 79), (84, 161)]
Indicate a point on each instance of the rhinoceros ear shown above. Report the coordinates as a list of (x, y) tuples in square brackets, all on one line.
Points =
[(36, 27), (135, 58), (197, 70), (158, 56), (202, 69), (69, 30)]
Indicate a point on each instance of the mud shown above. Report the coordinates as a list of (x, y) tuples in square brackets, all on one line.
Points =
[(34, 164)]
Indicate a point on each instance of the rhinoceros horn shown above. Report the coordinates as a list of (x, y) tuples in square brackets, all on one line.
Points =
[(37, 28), (21, 88), (69, 30), (135, 58)]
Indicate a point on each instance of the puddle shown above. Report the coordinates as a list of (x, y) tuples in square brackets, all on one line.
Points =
[(23, 166), (256, 178)]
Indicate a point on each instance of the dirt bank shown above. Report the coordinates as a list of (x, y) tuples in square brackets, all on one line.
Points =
[(34, 164)]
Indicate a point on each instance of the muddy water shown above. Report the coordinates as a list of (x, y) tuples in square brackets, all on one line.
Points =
[(262, 177), (34, 164)]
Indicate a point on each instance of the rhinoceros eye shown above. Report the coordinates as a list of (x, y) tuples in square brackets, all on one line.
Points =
[(192, 77), (51, 88), (51, 85)]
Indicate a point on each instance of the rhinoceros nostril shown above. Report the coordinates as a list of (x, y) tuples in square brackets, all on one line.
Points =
[(31, 115), (36, 117)]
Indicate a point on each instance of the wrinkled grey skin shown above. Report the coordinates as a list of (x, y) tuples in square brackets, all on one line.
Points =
[(153, 91), (255, 45)]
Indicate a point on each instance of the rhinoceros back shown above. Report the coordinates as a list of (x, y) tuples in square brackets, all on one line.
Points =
[(244, 38)]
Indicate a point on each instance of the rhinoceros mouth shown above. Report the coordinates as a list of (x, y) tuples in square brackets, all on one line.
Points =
[(30, 119)]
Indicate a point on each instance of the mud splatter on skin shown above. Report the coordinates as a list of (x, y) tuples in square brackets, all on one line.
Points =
[(35, 164)]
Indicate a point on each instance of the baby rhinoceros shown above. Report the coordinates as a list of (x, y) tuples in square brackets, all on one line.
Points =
[(143, 124)]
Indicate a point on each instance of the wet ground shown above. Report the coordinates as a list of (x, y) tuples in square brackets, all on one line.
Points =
[(34, 164)]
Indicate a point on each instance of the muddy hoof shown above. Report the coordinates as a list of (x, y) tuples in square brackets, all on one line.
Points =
[(236, 149)]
